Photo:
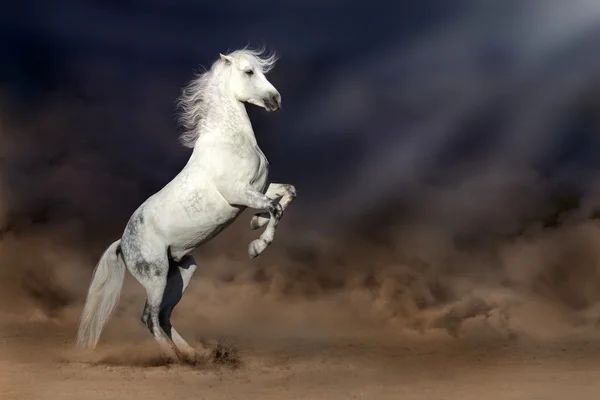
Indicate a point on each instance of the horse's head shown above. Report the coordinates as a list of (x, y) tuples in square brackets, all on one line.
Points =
[(247, 79)]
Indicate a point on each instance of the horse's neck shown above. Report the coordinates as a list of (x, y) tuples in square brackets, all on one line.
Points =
[(227, 119)]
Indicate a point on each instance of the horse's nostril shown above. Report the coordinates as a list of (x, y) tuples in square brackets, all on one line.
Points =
[(273, 102)]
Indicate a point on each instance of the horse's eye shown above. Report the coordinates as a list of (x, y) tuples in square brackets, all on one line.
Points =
[(249, 72)]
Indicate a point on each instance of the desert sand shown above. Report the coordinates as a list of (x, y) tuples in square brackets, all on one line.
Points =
[(369, 324)]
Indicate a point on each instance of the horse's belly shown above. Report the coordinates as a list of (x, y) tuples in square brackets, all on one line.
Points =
[(202, 227)]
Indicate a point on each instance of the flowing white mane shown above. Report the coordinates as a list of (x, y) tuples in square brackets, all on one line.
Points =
[(194, 101)]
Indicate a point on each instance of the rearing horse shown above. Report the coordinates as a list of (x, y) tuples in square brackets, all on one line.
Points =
[(226, 173)]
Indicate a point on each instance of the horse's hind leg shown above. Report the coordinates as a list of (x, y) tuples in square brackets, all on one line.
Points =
[(178, 279), (153, 277)]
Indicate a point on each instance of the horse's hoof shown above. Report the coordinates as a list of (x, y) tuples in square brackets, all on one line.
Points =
[(256, 247), (252, 250), (172, 359), (189, 357)]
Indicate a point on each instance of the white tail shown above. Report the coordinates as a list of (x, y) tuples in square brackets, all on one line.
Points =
[(103, 296)]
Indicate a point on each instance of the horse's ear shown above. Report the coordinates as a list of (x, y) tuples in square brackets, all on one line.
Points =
[(228, 60)]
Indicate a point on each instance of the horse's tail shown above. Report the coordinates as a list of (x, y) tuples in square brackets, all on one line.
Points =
[(103, 296)]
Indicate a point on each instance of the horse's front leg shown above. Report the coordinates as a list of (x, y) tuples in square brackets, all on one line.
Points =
[(282, 192), (259, 245), (247, 196)]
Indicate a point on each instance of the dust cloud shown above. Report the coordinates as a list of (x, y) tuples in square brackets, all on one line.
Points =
[(410, 278)]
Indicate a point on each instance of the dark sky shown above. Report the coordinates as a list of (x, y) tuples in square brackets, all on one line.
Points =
[(453, 113)]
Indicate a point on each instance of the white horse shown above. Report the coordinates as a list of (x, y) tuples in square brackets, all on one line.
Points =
[(226, 173)]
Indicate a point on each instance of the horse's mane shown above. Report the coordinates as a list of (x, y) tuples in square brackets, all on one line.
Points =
[(193, 102)]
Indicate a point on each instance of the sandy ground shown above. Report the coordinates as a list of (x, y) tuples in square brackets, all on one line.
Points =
[(297, 340), (38, 362)]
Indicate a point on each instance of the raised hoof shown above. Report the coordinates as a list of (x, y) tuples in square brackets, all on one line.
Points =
[(252, 251), (256, 247)]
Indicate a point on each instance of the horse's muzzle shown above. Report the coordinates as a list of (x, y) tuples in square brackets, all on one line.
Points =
[(273, 102)]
